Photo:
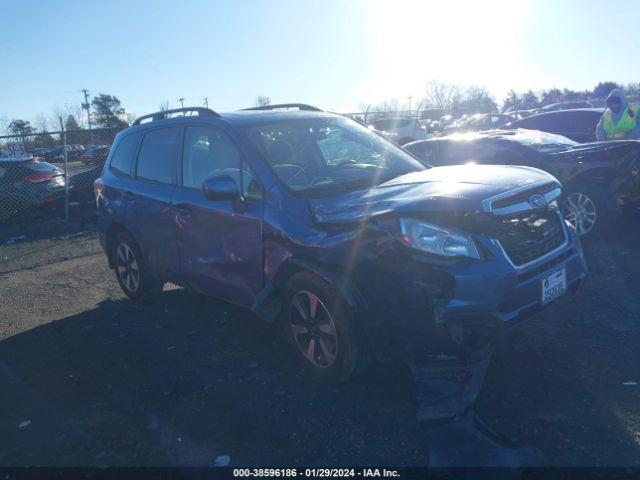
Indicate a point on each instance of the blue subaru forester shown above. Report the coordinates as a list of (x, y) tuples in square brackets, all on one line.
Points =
[(318, 223)]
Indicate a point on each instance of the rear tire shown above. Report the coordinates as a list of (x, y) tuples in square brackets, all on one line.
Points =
[(322, 330), (590, 208), (131, 272)]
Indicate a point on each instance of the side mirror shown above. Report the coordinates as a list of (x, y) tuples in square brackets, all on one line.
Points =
[(221, 187)]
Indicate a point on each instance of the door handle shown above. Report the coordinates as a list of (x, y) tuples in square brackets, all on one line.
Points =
[(128, 195)]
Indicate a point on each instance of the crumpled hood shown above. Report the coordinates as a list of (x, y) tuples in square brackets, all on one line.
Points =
[(459, 188), (611, 150)]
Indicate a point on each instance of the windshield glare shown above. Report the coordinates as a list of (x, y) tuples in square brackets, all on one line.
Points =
[(320, 156), (542, 141)]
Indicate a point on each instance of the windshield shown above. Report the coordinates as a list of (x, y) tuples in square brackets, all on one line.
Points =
[(321, 156)]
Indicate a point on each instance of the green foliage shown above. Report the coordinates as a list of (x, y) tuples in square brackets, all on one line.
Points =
[(107, 111), (21, 127), (71, 123), (603, 89)]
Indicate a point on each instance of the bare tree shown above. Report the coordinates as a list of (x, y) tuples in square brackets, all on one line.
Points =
[(384, 109), (262, 101), (442, 95), (42, 124), (477, 99), (71, 109), (4, 124)]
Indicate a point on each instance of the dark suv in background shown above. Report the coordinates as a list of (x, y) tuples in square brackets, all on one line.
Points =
[(312, 220), (601, 180), (578, 124)]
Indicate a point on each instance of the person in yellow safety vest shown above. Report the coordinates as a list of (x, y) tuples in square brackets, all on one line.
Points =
[(619, 120)]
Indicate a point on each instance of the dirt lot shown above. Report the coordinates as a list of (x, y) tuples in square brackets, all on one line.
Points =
[(90, 378)]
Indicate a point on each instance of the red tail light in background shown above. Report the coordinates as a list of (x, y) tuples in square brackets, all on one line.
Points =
[(38, 177), (97, 190)]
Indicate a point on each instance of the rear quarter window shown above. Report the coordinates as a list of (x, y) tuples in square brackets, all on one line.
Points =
[(123, 155)]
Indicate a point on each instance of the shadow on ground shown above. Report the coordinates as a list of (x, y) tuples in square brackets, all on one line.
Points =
[(182, 381)]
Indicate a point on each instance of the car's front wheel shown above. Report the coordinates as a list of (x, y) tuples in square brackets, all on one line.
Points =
[(131, 272), (322, 330), (590, 208)]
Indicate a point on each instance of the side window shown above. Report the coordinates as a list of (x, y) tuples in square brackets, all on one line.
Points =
[(157, 157), (209, 152), (561, 121), (122, 158), (529, 123), (586, 122)]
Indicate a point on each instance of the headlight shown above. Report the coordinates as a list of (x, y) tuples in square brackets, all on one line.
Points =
[(437, 240)]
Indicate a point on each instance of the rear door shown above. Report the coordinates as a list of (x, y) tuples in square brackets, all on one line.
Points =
[(150, 198), (220, 241)]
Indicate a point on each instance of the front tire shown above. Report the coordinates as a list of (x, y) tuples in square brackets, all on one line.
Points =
[(132, 274), (322, 329), (590, 208)]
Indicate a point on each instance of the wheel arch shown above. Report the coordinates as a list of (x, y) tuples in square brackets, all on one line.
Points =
[(112, 231), (268, 304), (600, 176)]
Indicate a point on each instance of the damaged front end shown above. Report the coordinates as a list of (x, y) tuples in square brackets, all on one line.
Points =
[(450, 298)]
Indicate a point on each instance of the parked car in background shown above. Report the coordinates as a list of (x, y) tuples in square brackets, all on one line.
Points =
[(577, 124), (570, 104), (28, 186), (95, 154), (39, 152), (56, 154), (401, 129), (518, 114), (315, 221), (600, 179), (479, 122)]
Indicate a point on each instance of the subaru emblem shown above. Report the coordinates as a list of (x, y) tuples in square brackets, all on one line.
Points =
[(538, 202)]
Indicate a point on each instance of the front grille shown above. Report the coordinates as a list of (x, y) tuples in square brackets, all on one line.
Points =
[(523, 196), (530, 236)]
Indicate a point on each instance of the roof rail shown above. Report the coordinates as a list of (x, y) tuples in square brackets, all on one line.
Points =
[(162, 115), (299, 106)]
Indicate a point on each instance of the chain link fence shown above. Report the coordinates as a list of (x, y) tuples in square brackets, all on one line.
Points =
[(50, 175)]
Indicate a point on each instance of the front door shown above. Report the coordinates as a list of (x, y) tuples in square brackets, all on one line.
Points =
[(220, 241)]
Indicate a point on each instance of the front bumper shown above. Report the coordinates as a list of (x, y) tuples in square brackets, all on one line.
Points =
[(424, 305), (495, 289)]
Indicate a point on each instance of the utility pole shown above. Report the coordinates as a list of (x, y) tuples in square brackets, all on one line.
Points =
[(87, 106), (409, 98), (181, 100), (206, 101)]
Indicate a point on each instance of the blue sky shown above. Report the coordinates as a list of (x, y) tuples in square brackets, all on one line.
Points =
[(337, 54)]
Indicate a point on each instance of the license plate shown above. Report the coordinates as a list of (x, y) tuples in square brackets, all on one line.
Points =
[(553, 286)]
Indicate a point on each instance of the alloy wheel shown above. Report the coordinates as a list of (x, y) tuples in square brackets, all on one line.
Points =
[(127, 267), (582, 212), (313, 329)]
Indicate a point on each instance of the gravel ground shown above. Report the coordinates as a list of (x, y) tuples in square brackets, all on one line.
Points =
[(89, 378)]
